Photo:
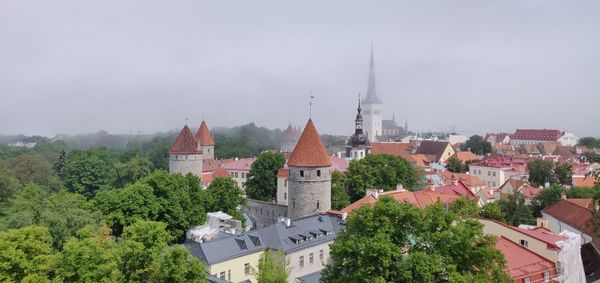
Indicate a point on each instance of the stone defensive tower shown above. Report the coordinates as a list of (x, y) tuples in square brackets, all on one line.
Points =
[(185, 156), (309, 179), (205, 141)]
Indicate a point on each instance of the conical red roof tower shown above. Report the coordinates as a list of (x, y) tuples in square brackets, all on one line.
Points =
[(203, 136), (309, 151), (185, 143)]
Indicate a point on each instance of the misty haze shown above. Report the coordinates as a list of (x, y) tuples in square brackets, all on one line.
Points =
[(299, 141)]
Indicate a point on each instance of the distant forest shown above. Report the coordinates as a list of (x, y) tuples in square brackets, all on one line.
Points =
[(242, 141)]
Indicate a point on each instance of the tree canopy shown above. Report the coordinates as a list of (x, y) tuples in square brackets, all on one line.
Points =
[(272, 267), (476, 144), (381, 171), (261, 181), (456, 166), (395, 242)]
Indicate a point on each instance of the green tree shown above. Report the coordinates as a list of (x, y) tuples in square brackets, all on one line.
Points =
[(380, 171), (60, 164), (33, 168), (9, 186), (464, 207), (63, 213), (132, 171), (176, 264), (515, 209), (224, 195), (545, 198), (262, 178), (170, 198), (159, 156), (563, 174), (476, 144), (540, 172), (88, 257), (579, 192), (26, 255), (89, 171), (456, 166), (492, 210), (141, 244), (339, 195), (589, 142), (396, 242), (272, 267)]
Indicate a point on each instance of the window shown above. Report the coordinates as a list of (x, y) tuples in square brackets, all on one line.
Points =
[(301, 173), (489, 173), (293, 204), (236, 174), (284, 195), (559, 267), (285, 185), (222, 275), (317, 205), (311, 258), (318, 173), (321, 255), (301, 262), (247, 269), (523, 243), (546, 276), (243, 175), (229, 275), (494, 174), (527, 280)]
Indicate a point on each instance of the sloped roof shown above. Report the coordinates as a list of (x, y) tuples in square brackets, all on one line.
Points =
[(572, 212), (465, 156), (582, 181), (388, 124), (282, 173), (290, 134), (467, 179), (185, 143), (521, 262), (432, 148), (203, 136), (421, 199), (226, 248), (539, 233), (460, 189), (309, 151), (391, 148), (220, 172), (537, 135)]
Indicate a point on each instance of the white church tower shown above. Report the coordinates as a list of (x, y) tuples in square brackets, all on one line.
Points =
[(372, 106)]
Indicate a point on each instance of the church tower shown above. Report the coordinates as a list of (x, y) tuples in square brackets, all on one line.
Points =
[(372, 105), (184, 155), (309, 175), (205, 141), (358, 145)]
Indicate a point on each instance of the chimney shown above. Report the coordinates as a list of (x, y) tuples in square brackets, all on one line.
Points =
[(399, 187), (344, 216), (431, 184), (546, 184), (563, 196)]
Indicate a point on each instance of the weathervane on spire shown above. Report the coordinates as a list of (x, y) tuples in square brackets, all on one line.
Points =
[(310, 105)]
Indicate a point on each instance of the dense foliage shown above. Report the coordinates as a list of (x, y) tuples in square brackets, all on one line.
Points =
[(394, 242), (542, 171), (261, 183), (339, 195), (476, 144), (272, 268), (590, 142), (380, 171), (456, 166)]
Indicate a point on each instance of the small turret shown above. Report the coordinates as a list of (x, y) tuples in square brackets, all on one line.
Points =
[(205, 141)]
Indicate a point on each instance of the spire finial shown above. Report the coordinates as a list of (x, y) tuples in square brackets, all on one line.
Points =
[(310, 105), (186, 121)]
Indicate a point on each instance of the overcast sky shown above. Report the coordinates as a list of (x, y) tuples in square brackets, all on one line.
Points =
[(130, 66)]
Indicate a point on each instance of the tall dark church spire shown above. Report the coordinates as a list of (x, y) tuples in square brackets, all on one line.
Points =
[(359, 138), (359, 120), (371, 89)]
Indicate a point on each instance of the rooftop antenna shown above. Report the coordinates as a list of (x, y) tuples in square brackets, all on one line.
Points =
[(310, 105)]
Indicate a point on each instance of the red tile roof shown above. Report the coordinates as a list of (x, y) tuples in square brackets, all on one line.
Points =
[(203, 136), (283, 173), (467, 179), (185, 143), (582, 181), (465, 156), (530, 192), (241, 164), (504, 161), (309, 151), (572, 212), (391, 148), (539, 233), (521, 262), (419, 199), (221, 172), (460, 189), (291, 134), (537, 135)]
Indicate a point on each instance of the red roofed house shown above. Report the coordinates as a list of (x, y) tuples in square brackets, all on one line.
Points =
[(466, 157), (208, 177), (184, 155), (523, 265), (497, 138), (436, 151), (511, 186), (534, 136), (205, 142), (282, 186), (419, 199), (238, 169)]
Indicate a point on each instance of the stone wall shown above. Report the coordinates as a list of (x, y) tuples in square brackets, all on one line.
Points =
[(186, 163), (309, 191), (264, 213), (208, 151)]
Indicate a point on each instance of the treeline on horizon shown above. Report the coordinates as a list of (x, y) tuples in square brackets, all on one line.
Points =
[(242, 141)]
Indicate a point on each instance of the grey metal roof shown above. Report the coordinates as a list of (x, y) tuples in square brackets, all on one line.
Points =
[(222, 249), (310, 278), (298, 235), (214, 279), (302, 233), (389, 124)]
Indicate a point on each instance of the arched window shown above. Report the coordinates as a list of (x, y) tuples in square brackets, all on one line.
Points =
[(317, 205), (318, 173)]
